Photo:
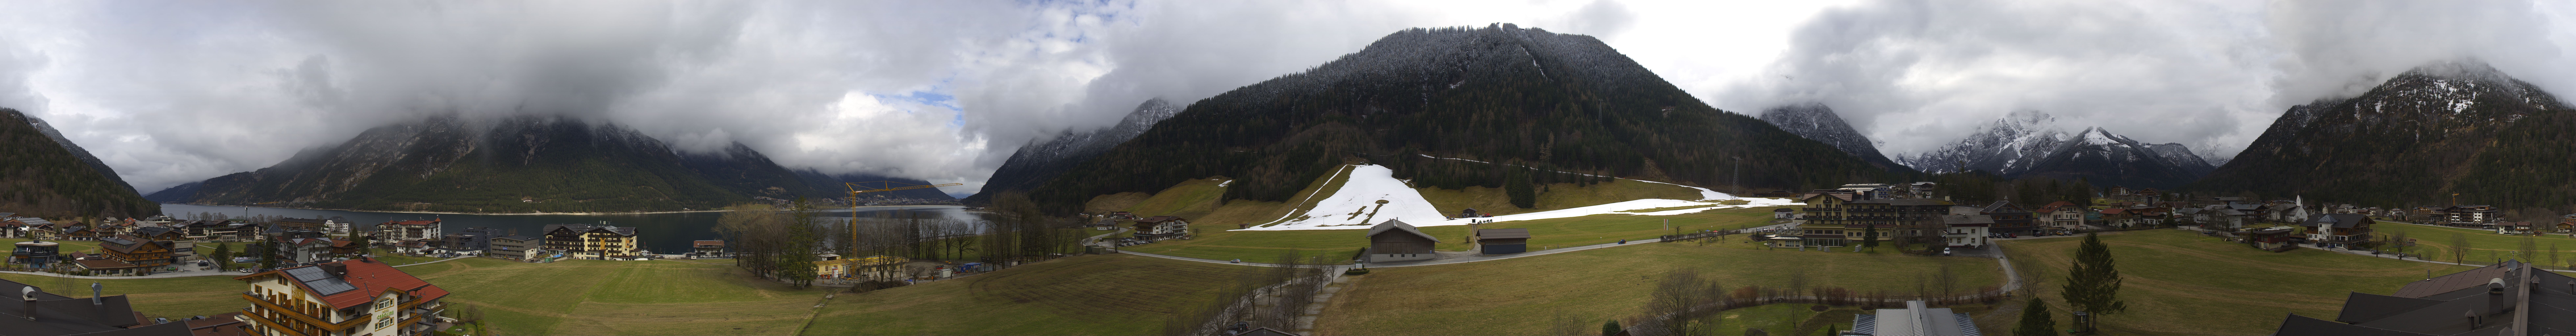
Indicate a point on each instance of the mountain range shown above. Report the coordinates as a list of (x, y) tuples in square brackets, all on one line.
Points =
[(48, 176), (1818, 122), (2419, 137), (1499, 94), (2032, 143), (514, 165)]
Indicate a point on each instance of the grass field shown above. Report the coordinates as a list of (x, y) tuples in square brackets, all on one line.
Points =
[(1086, 295), (1214, 242), (1522, 296), (580, 297), (2434, 242), (2221, 288)]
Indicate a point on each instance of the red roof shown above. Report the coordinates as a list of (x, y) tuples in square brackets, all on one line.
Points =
[(2112, 211), (371, 278), (710, 243)]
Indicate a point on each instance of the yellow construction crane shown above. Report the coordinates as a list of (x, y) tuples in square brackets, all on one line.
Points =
[(857, 188)]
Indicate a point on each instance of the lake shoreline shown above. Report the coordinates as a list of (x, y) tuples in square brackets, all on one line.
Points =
[(566, 213)]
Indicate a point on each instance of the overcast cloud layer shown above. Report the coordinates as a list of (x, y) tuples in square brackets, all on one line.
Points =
[(2210, 74), (172, 92)]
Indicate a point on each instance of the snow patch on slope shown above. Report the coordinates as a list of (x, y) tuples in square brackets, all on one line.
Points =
[(1355, 205)]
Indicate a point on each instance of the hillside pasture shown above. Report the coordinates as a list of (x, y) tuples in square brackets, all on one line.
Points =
[(1085, 295)]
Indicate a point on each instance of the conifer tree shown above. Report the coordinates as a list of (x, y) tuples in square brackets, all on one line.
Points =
[(2035, 320), (1869, 237), (1610, 327), (2093, 284), (1517, 186)]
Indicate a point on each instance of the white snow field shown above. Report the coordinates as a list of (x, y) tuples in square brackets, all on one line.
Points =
[(1356, 205)]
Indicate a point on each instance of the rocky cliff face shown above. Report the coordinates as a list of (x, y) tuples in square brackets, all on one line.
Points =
[(2415, 139), (1037, 162), (1818, 122)]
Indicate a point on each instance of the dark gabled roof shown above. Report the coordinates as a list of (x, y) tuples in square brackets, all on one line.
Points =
[(148, 232), (2002, 206), (1394, 225), (515, 237), (2365, 307), (2297, 325), (1502, 233), (125, 243), (2456, 281), (1160, 219), (2337, 220)]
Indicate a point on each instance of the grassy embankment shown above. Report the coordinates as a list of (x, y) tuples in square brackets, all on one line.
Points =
[(1199, 200), (1086, 295), (2222, 288), (1525, 296)]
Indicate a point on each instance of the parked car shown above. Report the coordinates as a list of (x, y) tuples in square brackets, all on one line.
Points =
[(1945, 251)]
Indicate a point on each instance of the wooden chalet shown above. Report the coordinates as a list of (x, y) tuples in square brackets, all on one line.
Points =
[(1502, 241), (1394, 241), (136, 251)]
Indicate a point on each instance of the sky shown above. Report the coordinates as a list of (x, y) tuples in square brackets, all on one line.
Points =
[(170, 92)]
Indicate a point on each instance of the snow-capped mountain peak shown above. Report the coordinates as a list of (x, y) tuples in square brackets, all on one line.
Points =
[(2008, 146)]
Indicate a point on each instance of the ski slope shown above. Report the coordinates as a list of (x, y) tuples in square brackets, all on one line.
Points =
[(1357, 204)]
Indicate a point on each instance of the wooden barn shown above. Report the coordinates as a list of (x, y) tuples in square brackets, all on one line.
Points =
[(1502, 241), (1394, 241)]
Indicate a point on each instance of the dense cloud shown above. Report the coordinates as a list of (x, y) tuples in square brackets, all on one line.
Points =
[(2210, 74), (171, 92)]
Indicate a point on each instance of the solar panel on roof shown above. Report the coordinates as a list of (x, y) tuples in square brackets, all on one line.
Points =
[(307, 273), (328, 286)]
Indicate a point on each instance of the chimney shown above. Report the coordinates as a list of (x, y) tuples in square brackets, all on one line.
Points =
[(94, 289), (27, 303)]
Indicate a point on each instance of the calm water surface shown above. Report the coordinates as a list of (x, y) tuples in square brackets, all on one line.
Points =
[(665, 233)]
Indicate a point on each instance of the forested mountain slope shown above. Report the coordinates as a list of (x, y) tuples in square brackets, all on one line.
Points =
[(44, 175), (1496, 94), (1036, 163), (516, 164), (2415, 140)]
